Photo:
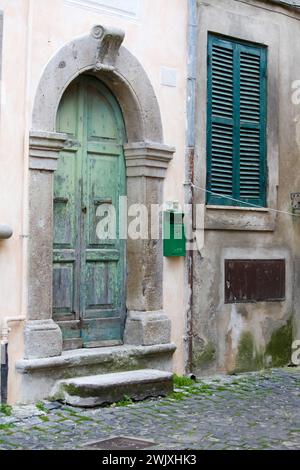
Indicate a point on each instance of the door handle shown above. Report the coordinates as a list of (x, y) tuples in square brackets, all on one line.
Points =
[(84, 209)]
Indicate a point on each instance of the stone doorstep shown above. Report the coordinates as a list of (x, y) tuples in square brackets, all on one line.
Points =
[(96, 356), (97, 390), (39, 376)]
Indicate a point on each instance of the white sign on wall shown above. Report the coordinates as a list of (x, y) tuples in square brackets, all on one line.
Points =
[(168, 76), (128, 8)]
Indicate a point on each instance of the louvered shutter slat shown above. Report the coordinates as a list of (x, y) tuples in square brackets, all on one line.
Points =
[(236, 124), (250, 87), (251, 112), (222, 80), (250, 163), (222, 124), (222, 148)]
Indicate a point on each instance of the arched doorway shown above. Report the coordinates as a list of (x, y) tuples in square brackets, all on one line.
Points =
[(88, 263), (99, 55)]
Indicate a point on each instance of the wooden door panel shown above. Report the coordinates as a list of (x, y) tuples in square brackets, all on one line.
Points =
[(67, 116), (65, 204), (104, 148), (65, 207), (64, 283), (103, 195), (101, 122), (63, 290), (71, 331), (89, 272), (106, 255), (103, 313), (101, 332), (101, 292)]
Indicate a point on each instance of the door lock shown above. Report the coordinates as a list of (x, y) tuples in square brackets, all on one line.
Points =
[(84, 209)]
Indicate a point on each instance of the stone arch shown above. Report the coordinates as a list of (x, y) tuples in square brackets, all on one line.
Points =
[(99, 53), (124, 75)]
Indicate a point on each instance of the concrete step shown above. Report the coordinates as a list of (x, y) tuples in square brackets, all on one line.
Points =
[(97, 390)]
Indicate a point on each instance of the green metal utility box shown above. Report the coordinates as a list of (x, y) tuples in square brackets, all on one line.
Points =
[(174, 234)]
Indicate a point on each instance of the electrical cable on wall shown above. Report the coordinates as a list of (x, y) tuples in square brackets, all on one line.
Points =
[(242, 202)]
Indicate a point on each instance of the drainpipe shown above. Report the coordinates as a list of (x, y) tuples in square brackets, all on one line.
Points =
[(4, 353), (5, 233), (189, 169)]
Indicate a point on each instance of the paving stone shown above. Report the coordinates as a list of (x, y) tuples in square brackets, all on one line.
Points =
[(22, 412), (248, 411)]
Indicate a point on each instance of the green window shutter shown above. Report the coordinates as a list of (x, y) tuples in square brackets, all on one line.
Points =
[(236, 137)]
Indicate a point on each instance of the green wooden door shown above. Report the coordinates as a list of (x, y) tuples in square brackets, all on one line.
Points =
[(89, 264)]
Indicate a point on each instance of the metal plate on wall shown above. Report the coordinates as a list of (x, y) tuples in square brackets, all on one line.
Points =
[(295, 198), (254, 280)]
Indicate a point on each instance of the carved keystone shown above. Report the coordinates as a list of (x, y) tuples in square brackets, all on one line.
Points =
[(110, 40)]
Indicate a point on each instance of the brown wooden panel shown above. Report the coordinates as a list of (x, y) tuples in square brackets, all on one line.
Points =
[(254, 280)]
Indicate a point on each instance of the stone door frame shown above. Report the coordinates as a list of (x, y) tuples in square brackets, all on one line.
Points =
[(147, 158)]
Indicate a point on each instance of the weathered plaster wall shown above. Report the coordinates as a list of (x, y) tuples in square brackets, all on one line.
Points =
[(248, 336), (13, 167), (34, 30), (1, 36)]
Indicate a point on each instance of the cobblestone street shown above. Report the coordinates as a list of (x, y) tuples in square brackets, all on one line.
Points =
[(248, 411)]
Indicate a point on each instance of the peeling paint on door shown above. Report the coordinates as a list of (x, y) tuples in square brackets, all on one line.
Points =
[(88, 272)]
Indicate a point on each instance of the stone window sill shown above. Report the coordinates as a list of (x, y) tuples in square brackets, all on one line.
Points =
[(237, 208), (239, 218)]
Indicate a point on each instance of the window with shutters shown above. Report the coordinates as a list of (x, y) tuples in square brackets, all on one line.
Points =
[(236, 134)]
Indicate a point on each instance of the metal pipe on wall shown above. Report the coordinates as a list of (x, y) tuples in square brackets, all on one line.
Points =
[(189, 169), (4, 372), (5, 232), (4, 354)]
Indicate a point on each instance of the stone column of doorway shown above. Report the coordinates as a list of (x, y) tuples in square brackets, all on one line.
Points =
[(146, 323), (42, 335)]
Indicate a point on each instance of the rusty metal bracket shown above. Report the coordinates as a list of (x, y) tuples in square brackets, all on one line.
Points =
[(295, 201)]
